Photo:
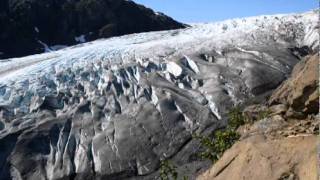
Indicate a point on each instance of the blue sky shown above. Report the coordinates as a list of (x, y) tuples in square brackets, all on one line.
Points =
[(188, 11)]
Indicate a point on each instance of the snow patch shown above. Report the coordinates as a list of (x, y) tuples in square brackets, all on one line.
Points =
[(213, 107), (181, 85), (189, 122), (36, 29), (80, 39), (174, 69), (57, 47), (312, 38), (45, 46), (192, 64), (256, 53), (159, 14), (154, 97)]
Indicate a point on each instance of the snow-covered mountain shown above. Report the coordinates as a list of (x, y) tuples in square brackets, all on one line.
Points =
[(113, 108)]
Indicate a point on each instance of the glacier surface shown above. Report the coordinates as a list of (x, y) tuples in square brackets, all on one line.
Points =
[(114, 108)]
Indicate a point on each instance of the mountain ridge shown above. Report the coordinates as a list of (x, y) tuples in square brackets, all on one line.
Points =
[(35, 26)]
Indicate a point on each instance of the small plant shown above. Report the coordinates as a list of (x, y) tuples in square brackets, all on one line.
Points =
[(209, 146), (221, 140), (216, 146), (225, 139), (264, 114), (168, 170), (236, 118)]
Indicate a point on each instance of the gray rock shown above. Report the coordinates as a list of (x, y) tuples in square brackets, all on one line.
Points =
[(278, 109)]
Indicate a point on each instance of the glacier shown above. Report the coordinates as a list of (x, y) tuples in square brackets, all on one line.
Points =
[(114, 108)]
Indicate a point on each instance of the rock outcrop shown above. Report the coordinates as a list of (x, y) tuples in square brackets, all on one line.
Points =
[(300, 93), (257, 157), (282, 145), (34, 26)]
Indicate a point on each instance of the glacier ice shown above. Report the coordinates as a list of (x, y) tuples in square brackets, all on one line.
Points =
[(113, 108)]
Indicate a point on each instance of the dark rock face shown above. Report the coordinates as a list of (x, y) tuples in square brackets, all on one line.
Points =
[(25, 24)]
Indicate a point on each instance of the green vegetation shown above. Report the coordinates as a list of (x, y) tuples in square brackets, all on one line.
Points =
[(236, 118), (168, 171), (264, 114), (216, 146)]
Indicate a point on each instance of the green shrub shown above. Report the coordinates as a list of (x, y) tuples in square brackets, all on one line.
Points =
[(225, 139), (236, 118), (209, 148), (168, 171), (216, 146), (221, 140)]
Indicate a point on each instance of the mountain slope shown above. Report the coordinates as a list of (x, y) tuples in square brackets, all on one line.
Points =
[(34, 26), (113, 109), (285, 144)]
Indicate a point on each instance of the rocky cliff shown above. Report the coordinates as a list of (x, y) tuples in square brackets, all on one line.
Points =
[(284, 145), (34, 26), (117, 108)]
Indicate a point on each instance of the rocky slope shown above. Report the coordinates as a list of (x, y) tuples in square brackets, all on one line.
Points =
[(115, 108), (259, 158), (284, 145), (300, 92), (34, 26)]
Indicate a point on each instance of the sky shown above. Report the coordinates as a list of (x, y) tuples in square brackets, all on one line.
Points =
[(192, 11)]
